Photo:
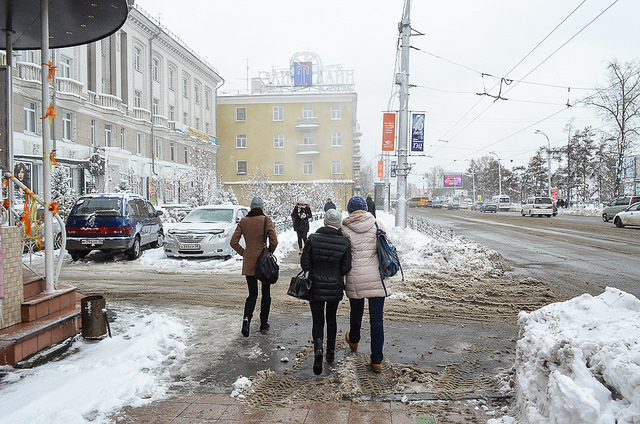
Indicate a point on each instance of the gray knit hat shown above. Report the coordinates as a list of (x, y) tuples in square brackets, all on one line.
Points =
[(257, 202), (333, 218)]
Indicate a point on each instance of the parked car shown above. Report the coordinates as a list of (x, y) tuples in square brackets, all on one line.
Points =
[(538, 206), (630, 216), (117, 222), (205, 232), (618, 205), (489, 207)]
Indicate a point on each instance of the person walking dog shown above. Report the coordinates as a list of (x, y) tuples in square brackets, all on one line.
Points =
[(364, 281), (327, 258), (301, 215), (251, 227)]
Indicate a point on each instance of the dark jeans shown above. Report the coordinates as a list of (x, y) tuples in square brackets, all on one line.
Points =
[(376, 307), (317, 331), (250, 303), (302, 237)]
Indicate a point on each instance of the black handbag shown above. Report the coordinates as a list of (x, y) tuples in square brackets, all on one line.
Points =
[(300, 286), (267, 269)]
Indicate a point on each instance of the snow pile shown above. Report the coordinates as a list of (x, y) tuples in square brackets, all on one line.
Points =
[(240, 387), (579, 361), (98, 379), (585, 210)]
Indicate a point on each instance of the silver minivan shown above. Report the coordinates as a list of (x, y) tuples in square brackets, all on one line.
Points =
[(618, 205), (537, 206)]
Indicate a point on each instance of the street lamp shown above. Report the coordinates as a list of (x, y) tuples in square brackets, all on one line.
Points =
[(548, 161), (499, 174)]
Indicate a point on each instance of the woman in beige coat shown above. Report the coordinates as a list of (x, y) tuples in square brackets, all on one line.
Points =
[(251, 227), (364, 281)]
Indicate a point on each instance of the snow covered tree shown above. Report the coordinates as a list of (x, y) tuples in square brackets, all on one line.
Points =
[(62, 192), (128, 182)]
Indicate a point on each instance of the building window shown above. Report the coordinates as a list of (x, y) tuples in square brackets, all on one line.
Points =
[(336, 139), (241, 167), (186, 155), (170, 79), (139, 143), (172, 150), (64, 67), (307, 138), (107, 135), (207, 127), (155, 69), (196, 94), (197, 123), (137, 98), (206, 99), (307, 112), (93, 132), (278, 113), (336, 112), (185, 87), (66, 126), (241, 114), (122, 138), (278, 167), (278, 141), (29, 117), (172, 112), (158, 148), (307, 167), (241, 141), (155, 107), (137, 57), (336, 167), (185, 118)]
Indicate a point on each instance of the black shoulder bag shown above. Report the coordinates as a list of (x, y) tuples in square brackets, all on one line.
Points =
[(267, 269)]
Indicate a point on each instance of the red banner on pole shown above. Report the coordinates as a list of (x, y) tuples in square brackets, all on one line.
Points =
[(380, 169), (388, 132)]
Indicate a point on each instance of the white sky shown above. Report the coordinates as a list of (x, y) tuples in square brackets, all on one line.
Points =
[(471, 37)]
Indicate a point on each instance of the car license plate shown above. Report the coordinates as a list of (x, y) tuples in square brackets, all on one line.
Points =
[(190, 246), (92, 241)]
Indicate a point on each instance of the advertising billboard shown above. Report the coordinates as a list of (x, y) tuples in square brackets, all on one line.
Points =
[(417, 132), (388, 132), (453, 180)]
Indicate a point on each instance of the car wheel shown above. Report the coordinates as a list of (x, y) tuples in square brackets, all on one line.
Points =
[(530, 214), (618, 222), (159, 242), (521, 212), (605, 218), (78, 254), (135, 251), (57, 241)]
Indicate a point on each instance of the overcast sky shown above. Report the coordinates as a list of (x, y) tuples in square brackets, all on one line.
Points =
[(463, 40)]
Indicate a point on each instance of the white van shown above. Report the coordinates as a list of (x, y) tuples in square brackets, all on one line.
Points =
[(537, 206), (503, 202)]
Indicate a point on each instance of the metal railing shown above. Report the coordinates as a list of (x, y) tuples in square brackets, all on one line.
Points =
[(434, 230)]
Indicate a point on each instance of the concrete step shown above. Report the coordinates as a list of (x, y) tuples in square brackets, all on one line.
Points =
[(41, 305)]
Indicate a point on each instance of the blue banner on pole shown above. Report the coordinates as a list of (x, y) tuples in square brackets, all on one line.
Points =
[(392, 171), (302, 73), (417, 132)]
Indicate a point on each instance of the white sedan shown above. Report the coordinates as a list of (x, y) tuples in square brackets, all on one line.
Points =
[(630, 216)]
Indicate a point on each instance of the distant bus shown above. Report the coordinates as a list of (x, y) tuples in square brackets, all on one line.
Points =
[(418, 201), (503, 202)]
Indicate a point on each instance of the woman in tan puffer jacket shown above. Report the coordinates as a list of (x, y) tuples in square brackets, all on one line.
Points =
[(364, 281)]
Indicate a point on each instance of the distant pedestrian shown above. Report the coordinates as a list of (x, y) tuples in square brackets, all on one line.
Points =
[(364, 281), (371, 205), (251, 227), (301, 215), (329, 205), (327, 258)]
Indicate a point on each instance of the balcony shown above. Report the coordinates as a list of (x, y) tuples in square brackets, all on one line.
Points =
[(140, 113), (111, 102), (308, 149), (29, 71), (307, 123), (69, 86), (160, 121)]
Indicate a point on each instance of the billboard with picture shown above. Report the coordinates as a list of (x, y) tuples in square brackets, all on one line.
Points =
[(453, 180)]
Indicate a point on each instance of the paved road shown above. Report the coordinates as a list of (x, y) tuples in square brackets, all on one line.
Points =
[(574, 254)]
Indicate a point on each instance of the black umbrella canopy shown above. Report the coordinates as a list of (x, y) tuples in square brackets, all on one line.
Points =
[(71, 22)]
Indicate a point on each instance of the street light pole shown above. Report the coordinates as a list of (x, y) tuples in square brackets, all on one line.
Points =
[(499, 174), (548, 161)]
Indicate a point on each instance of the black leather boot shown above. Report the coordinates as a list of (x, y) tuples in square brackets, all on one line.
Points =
[(317, 362), (245, 326)]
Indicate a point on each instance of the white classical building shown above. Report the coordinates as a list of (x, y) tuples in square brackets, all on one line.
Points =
[(138, 108)]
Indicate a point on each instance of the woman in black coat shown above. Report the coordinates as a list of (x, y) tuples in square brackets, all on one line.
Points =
[(301, 215), (327, 258)]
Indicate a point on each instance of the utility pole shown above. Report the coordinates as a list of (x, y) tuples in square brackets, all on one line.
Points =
[(402, 78)]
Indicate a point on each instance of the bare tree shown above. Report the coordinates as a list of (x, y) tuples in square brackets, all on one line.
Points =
[(618, 105)]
